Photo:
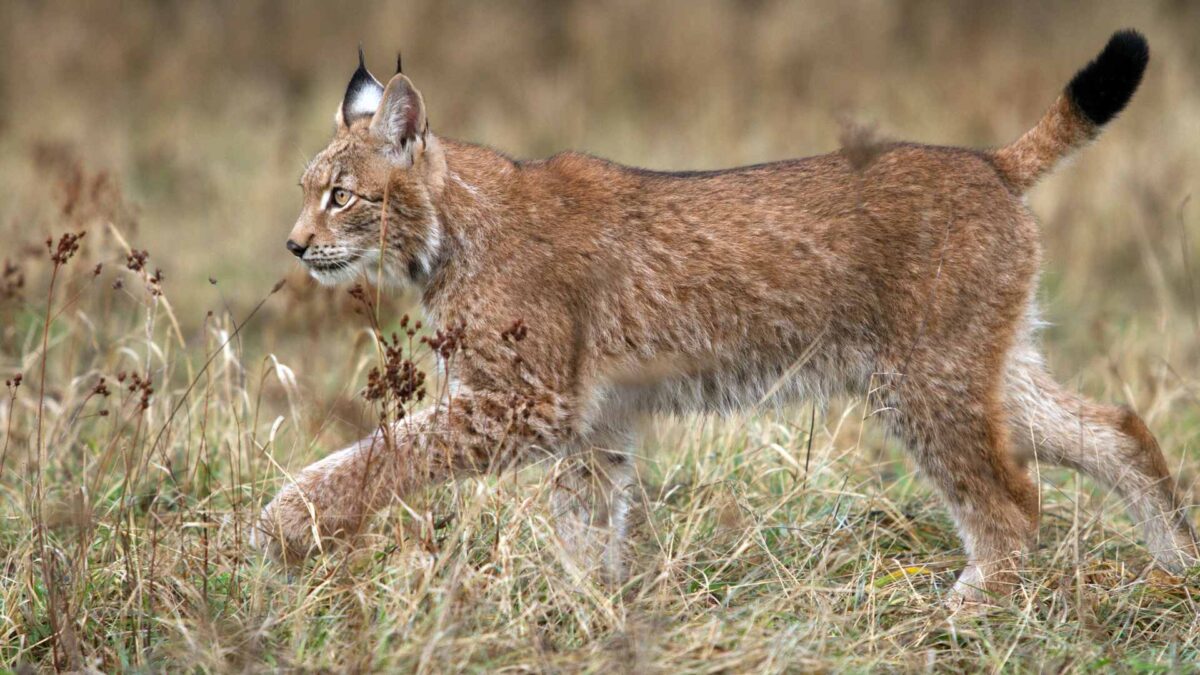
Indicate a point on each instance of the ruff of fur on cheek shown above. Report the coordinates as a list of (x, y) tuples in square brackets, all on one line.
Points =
[(431, 248), (413, 239)]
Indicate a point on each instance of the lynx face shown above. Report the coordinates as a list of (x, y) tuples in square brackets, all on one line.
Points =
[(368, 197)]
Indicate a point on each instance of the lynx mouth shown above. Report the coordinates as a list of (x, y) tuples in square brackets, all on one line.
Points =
[(331, 272), (330, 266)]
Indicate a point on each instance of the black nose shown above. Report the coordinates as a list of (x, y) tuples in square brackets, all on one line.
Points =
[(296, 249)]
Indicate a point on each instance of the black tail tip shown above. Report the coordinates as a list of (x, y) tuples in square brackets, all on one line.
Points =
[(1102, 88)]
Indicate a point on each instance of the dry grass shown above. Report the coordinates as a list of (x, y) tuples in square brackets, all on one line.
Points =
[(762, 543)]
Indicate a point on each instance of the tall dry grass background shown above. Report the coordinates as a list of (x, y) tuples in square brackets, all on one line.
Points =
[(162, 399)]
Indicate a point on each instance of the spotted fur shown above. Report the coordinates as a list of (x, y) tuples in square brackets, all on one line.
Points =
[(906, 273)]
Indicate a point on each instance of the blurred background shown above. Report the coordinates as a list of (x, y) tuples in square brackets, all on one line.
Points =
[(186, 125)]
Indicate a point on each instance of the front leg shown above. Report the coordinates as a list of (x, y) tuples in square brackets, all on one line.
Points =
[(326, 502), (329, 501), (590, 507)]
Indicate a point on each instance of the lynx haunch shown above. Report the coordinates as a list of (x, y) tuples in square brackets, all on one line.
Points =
[(901, 269)]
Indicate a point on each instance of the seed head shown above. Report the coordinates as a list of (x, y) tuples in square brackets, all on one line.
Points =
[(12, 281), (136, 260), (516, 332), (445, 342), (398, 383), (68, 246)]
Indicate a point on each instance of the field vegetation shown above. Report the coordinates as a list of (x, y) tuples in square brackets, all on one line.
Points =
[(166, 364)]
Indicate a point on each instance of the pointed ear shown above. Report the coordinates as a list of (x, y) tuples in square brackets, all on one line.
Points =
[(363, 95), (400, 119)]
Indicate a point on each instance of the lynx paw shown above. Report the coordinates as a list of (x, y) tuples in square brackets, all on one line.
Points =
[(286, 529)]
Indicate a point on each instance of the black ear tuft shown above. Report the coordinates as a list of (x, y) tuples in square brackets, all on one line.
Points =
[(399, 64), (363, 94), (1103, 87)]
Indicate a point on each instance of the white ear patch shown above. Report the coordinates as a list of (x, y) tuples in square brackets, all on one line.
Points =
[(363, 101), (363, 94)]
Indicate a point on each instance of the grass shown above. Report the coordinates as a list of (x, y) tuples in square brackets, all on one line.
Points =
[(776, 541)]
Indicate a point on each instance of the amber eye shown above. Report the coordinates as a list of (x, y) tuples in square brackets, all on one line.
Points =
[(340, 197)]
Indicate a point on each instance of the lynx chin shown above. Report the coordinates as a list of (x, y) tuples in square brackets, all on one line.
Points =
[(901, 271)]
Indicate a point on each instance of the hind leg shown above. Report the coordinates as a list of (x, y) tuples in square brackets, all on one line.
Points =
[(955, 429), (1109, 444)]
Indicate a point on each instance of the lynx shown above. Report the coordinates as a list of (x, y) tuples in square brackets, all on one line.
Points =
[(908, 271)]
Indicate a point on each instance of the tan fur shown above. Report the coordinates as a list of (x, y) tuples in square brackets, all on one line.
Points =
[(1033, 155), (910, 269)]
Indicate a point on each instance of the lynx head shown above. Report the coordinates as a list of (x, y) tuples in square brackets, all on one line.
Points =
[(369, 196)]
